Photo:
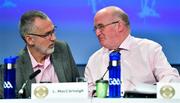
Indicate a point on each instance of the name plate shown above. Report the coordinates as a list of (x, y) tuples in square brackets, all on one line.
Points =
[(59, 90), (168, 90)]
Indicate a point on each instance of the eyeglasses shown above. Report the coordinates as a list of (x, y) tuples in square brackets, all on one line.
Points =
[(47, 34), (101, 26)]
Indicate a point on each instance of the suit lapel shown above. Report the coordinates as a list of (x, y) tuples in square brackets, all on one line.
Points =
[(58, 66), (28, 66), (27, 70)]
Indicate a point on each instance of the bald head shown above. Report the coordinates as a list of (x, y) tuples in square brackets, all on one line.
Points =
[(111, 25), (113, 13)]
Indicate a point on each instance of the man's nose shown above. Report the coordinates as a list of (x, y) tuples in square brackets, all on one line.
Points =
[(98, 32), (53, 37)]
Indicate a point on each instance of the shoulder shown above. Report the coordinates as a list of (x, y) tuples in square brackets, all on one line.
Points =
[(23, 55), (144, 43), (61, 46), (96, 55)]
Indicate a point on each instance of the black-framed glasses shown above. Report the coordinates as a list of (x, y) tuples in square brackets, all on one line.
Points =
[(47, 34), (102, 26)]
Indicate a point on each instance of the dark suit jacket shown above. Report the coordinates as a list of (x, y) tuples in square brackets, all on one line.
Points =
[(61, 59)]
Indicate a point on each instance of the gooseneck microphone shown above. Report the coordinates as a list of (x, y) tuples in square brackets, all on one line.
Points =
[(33, 75), (104, 73)]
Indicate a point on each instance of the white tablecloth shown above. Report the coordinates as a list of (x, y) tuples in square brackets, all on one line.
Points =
[(90, 100)]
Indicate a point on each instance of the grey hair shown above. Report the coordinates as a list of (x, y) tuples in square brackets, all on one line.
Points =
[(26, 24), (122, 15)]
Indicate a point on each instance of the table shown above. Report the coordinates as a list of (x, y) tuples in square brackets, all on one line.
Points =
[(91, 100)]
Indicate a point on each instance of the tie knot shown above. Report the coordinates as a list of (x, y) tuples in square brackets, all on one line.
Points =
[(118, 49)]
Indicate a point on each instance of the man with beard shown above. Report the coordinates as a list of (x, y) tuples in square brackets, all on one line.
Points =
[(43, 52)]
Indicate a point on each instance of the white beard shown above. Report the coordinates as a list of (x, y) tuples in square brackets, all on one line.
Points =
[(43, 50)]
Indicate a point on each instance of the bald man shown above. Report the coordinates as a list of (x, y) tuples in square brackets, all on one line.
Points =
[(142, 60)]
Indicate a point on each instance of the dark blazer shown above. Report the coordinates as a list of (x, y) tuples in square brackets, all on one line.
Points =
[(61, 59)]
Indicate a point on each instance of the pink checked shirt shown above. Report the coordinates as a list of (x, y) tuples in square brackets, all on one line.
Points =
[(47, 73)]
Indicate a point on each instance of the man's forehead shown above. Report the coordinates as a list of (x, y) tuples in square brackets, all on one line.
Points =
[(102, 19)]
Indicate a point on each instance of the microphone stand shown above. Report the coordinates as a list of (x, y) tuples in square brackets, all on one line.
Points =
[(104, 73), (21, 91)]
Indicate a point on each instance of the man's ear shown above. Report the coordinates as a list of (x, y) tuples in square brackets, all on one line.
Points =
[(29, 39), (120, 26)]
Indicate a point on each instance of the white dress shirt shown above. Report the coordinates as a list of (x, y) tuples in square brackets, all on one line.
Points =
[(142, 61)]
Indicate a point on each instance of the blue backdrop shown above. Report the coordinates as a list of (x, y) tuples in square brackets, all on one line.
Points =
[(158, 20)]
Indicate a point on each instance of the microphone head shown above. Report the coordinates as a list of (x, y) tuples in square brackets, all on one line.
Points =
[(34, 74)]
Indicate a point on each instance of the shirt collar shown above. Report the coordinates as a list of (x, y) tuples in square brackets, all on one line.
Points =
[(125, 45), (35, 63)]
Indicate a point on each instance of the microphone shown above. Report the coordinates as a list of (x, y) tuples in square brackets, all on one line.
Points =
[(34, 74), (104, 73)]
